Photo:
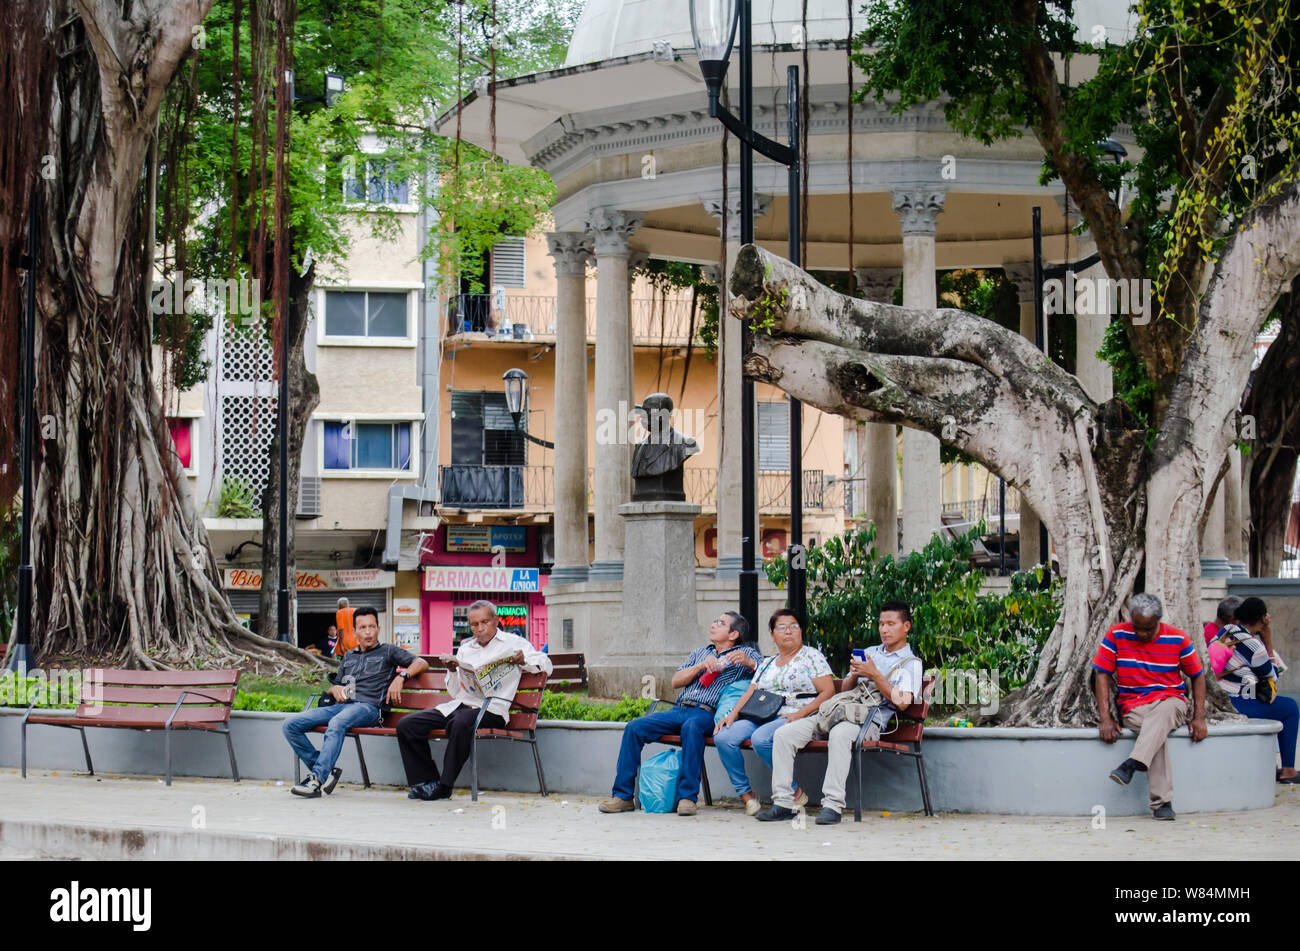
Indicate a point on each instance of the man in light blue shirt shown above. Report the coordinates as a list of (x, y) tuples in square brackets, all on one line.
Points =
[(895, 671)]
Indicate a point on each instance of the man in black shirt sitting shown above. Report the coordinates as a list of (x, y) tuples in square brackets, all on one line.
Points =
[(367, 674)]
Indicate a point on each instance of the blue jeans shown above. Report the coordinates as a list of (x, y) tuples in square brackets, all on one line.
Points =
[(728, 743), (340, 718), (1282, 708), (692, 724)]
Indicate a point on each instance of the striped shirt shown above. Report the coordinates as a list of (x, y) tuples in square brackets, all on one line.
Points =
[(1249, 653), (1147, 672), (703, 696)]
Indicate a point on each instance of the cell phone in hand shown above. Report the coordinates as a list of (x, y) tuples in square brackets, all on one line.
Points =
[(859, 653)]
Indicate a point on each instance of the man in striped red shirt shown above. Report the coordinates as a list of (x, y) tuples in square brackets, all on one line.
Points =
[(1148, 660)]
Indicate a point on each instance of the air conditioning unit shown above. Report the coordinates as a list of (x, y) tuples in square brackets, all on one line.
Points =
[(308, 498)]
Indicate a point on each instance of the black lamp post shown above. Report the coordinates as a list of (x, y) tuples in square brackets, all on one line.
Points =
[(516, 381), (714, 24)]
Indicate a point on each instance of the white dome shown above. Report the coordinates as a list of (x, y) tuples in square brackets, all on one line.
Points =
[(611, 28)]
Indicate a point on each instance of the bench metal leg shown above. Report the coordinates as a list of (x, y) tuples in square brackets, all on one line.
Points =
[(704, 782), (365, 774), (925, 785), (85, 748), (473, 765), (168, 734), (857, 802), (230, 746), (297, 770), (537, 758), (24, 732)]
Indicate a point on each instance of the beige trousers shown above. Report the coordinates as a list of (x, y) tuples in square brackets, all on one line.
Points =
[(1153, 722), (790, 739)]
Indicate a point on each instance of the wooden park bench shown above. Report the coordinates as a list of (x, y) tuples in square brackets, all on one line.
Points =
[(167, 700), (569, 673), (903, 740), (428, 690)]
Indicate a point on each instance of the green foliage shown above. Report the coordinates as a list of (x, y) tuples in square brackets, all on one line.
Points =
[(1132, 384), (10, 545), (20, 691), (567, 706), (954, 625), (268, 701), (237, 500)]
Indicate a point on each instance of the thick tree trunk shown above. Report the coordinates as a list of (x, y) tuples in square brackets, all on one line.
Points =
[(304, 395), (1269, 468), (124, 570), (1114, 511)]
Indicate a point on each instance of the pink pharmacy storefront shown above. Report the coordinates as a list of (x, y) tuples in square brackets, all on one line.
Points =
[(458, 571)]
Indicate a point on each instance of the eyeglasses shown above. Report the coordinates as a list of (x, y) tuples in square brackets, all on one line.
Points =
[(786, 628)]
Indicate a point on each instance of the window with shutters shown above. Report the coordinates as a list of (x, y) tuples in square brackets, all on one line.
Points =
[(508, 263), (774, 436), (483, 432)]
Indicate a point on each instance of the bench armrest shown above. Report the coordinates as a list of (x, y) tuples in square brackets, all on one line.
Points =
[(198, 693), (655, 704), (311, 701), (40, 688), (866, 725)]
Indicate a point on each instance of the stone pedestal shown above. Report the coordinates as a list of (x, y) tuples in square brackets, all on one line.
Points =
[(660, 624)]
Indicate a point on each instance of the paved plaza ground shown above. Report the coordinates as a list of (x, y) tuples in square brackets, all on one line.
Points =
[(62, 816)]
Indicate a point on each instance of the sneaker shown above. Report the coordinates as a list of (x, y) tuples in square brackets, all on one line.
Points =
[(752, 806), (800, 798), (329, 784), (614, 804), (309, 788), (686, 807), (1164, 812), (776, 814), (1123, 773), (827, 817)]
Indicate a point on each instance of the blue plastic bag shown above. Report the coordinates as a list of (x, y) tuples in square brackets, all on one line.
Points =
[(658, 781), (731, 695)]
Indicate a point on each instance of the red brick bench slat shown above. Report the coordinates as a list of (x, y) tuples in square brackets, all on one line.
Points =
[(166, 700)]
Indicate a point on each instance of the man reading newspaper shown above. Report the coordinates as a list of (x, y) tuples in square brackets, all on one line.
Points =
[(486, 668)]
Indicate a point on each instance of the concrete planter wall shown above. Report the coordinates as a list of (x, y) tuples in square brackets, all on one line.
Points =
[(989, 770)]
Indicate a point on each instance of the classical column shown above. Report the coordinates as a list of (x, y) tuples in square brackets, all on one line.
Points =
[(636, 262), (1234, 542), (877, 443), (570, 250), (919, 210), (1022, 275), (610, 230), (730, 448), (1094, 374), (1214, 563)]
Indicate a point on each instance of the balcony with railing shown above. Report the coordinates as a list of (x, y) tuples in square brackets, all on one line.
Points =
[(655, 321), (532, 488)]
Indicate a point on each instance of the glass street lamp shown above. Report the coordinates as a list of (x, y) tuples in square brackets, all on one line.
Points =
[(516, 382), (713, 27)]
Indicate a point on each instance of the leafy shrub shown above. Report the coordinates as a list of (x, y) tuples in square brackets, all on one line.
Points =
[(954, 625), (268, 701), (565, 706)]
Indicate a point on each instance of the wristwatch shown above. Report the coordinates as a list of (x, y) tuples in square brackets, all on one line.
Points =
[(405, 675)]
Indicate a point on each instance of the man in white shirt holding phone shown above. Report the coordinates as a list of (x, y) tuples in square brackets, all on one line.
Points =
[(895, 671)]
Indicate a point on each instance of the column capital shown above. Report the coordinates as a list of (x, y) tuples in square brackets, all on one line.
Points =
[(878, 283), (713, 205), (1021, 274), (570, 249), (636, 260), (610, 230), (919, 208)]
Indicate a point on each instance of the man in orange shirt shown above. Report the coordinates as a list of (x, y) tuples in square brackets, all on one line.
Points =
[(347, 636)]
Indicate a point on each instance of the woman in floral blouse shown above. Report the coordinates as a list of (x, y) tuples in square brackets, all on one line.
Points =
[(801, 676)]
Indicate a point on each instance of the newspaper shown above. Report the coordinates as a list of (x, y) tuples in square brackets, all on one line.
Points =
[(487, 675)]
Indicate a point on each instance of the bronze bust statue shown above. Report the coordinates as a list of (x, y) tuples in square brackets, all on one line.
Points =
[(658, 459)]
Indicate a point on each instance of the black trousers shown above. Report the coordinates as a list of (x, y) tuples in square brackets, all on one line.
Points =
[(413, 741)]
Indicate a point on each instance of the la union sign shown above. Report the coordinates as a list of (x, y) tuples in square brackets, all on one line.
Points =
[(440, 578)]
